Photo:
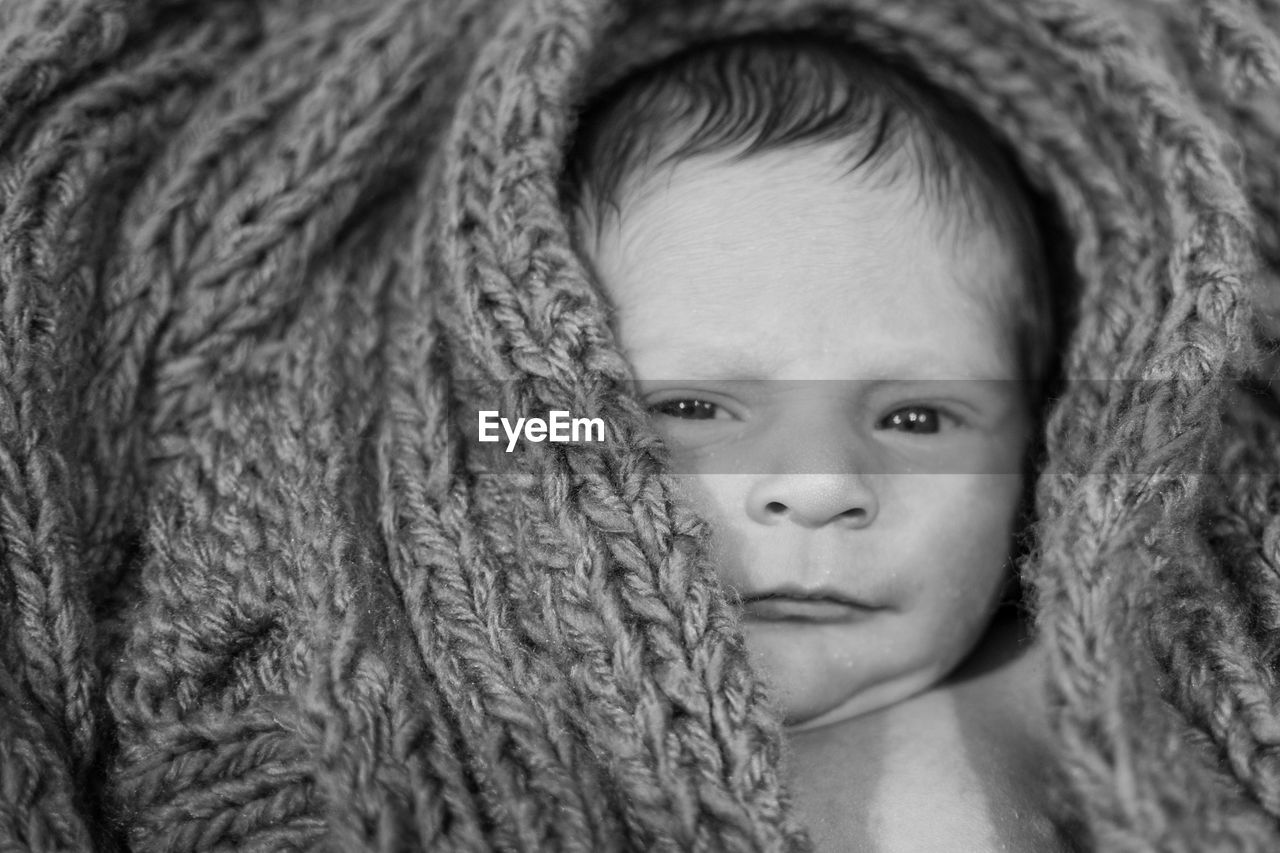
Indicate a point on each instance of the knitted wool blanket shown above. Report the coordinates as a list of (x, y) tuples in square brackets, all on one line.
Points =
[(255, 593)]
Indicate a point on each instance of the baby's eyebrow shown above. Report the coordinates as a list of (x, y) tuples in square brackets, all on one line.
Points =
[(730, 364), (766, 364), (907, 363)]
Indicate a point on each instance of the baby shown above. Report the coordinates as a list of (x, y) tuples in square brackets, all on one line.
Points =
[(831, 289)]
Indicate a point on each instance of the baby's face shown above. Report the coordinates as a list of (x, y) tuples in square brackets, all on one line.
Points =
[(821, 363)]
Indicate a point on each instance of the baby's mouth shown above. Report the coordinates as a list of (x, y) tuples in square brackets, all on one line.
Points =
[(818, 607)]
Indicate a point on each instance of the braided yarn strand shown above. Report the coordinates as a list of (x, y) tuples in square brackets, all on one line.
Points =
[(62, 169), (272, 576), (503, 180)]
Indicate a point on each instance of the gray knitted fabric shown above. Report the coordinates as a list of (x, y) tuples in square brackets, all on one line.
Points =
[(255, 593)]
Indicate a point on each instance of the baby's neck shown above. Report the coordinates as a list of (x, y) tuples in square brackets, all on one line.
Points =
[(963, 766)]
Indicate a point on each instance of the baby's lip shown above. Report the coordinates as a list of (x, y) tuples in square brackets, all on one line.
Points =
[(792, 604)]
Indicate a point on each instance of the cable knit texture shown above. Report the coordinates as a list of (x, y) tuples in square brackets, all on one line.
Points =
[(257, 593)]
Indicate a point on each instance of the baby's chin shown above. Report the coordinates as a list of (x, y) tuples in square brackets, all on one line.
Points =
[(817, 690)]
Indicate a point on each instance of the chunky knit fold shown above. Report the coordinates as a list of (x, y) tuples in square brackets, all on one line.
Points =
[(259, 264)]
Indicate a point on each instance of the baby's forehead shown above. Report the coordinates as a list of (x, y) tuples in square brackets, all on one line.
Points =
[(725, 259), (754, 96), (725, 203)]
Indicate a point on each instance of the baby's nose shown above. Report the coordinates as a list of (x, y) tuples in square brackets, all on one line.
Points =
[(814, 466), (813, 500)]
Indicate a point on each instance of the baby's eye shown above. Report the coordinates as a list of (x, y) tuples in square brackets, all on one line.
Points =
[(919, 420), (689, 410)]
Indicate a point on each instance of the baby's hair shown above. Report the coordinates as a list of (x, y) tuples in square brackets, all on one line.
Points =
[(760, 93)]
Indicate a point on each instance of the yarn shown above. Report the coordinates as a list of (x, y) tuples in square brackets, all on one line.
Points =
[(259, 262)]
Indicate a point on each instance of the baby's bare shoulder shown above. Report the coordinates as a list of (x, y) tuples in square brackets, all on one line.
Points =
[(964, 766)]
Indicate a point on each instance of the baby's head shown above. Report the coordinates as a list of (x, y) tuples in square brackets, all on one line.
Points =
[(829, 285)]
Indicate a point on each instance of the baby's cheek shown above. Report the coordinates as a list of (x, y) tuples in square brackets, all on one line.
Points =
[(962, 561), (969, 612), (970, 529), (713, 496)]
